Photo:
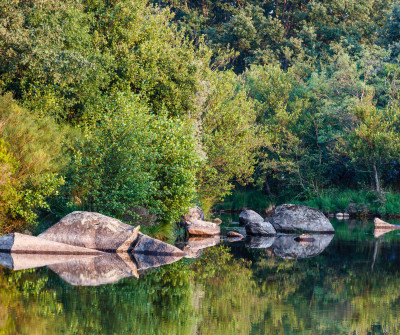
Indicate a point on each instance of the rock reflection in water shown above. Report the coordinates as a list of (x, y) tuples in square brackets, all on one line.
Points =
[(100, 270), (259, 242), (195, 245), (88, 270), (146, 262), (286, 246), (17, 261)]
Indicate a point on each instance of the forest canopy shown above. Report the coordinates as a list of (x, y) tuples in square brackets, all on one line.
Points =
[(144, 108)]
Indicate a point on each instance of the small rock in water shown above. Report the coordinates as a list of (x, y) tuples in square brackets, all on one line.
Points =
[(234, 234), (218, 221), (339, 216)]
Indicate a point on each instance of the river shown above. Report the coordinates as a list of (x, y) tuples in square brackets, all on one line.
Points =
[(347, 285)]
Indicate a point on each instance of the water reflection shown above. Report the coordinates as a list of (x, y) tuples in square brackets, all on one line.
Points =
[(351, 287)]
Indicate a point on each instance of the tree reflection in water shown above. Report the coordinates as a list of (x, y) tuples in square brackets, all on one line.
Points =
[(226, 290)]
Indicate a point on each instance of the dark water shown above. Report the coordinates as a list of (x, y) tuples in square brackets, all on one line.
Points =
[(351, 287)]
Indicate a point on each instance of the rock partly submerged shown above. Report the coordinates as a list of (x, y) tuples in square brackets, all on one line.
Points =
[(381, 227), (249, 215), (21, 243), (260, 229), (195, 224), (202, 228), (87, 248), (100, 232), (293, 218)]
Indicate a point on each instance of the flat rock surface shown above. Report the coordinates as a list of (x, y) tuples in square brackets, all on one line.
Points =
[(382, 227), (21, 243), (202, 228), (260, 228), (249, 215), (292, 218)]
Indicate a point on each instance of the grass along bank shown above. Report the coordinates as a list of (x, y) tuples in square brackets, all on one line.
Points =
[(358, 203)]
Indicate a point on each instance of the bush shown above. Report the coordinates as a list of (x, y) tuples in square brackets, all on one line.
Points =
[(30, 151), (133, 158)]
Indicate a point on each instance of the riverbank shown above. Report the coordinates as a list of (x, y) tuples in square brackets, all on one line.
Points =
[(357, 203)]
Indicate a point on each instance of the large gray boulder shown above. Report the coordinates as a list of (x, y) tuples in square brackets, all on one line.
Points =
[(249, 215), (99, 232), (260, 229), (293, 218)]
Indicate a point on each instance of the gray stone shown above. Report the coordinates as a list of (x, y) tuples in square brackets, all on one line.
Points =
[(293, 218), (260, 228), (151, 246), (90, 230), (249, 215), (99, 232), (195, 213), (286, 246)]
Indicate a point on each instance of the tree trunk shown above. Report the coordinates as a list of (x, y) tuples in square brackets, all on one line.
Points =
[(376, 178)]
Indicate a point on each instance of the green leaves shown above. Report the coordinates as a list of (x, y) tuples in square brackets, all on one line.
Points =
[(133, 158)]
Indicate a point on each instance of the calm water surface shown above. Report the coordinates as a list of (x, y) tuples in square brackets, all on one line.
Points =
[(350, 286)]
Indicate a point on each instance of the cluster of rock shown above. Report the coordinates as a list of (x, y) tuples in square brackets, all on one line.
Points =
[(286, 218), (87, 248), (195, 224)]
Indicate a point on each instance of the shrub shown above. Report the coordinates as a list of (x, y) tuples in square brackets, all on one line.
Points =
[(30, 151), (133, 158)]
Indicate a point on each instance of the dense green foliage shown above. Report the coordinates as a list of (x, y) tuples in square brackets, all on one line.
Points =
[(30, 152), (176, 102)]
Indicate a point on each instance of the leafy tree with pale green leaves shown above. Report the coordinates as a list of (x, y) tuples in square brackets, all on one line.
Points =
[(375, 141), (134, 158)]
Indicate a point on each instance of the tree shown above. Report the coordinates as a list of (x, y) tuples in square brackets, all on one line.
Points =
[(374, 141), (228, 137)]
